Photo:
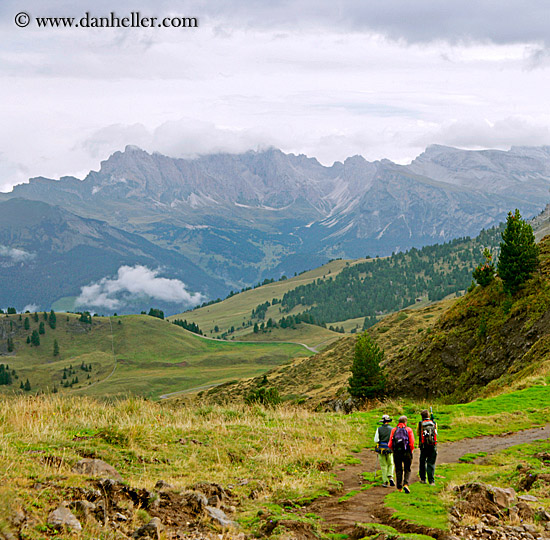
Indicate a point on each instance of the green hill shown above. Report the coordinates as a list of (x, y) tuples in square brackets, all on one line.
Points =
[(487, 341), (324, 376), (130, 355), (345, 295)]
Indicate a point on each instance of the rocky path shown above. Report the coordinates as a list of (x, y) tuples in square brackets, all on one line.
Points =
[(368, 506)]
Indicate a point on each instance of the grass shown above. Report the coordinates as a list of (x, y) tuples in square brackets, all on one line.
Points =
[(424, 505), (282, 452), (153, 357)]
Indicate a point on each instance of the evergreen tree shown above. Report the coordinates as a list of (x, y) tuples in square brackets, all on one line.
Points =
[(55, 348), (41, 329), (367, 380), (45, 315), (35, 338), (518, 253), (26, 324), (27, 386), (484, 273), (52, 319), (28, 339), (35, 317), (10, 345)]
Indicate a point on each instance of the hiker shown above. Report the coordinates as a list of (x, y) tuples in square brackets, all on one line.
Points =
[(427, 440), (402, 445), (385, 458)]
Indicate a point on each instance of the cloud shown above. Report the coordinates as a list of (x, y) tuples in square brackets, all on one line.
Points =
[(136, 281), (33, 308), (16, 255), (509, 131)]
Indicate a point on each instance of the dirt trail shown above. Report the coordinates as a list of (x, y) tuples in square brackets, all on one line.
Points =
[(368, 506)]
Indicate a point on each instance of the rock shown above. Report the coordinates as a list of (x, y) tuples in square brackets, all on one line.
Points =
[(525, 511), (18, 517), (85, 509), (542, 514), (219, 517), (63, 518), (96, 467), (161, 485), (6, 535), (490, 519), (527, 527), (503, 497), (151, 530), (529, 498), (120, 517), (196, 501)]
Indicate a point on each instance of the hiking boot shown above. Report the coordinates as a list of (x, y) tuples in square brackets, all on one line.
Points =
[(406, 489), (432, 483), (384, 484), (392, 483), (422, 481)]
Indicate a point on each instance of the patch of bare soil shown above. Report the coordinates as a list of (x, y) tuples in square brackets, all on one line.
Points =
[(368, 506)]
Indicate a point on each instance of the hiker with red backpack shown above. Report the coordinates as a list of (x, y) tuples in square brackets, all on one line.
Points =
[(427, 437), (402, 445)]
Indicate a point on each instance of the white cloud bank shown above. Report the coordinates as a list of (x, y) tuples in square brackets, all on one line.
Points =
[(136, 281), (15, 254)]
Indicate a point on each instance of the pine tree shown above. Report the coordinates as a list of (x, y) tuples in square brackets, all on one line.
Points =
[(27, 386), (52, 320), (367, 380), (55, 348), (26, 324), (35, 317), (35, 338), (41, 329), (518, 253), (10, 345), (28, 339)]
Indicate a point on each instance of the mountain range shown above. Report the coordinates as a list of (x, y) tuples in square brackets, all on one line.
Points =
[(225, 221)]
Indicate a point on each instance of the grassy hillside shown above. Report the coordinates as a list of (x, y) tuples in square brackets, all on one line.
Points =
[(237, 309), (324, 376), (130, 355), (485, 342)]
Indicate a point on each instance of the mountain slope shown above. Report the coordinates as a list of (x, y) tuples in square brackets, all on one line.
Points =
[(47, 253), (129, 355), (262, 214)]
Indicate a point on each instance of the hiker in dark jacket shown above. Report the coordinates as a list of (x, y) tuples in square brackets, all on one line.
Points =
[(385, 458), (402, 445), (427, 440)]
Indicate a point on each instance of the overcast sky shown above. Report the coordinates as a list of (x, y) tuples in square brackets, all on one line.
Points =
[(326, 78)]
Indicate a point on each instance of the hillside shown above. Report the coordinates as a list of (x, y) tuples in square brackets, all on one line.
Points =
[(486, 341), (323, 377), (236, 311), (128, 355), (455, 350), (351, 295)]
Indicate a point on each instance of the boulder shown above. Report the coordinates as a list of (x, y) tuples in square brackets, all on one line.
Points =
[(218, 516), (96, 467), (525, 512), (528, 498), (150, 530), (84, 509), (161, 485), (63, 518), (503, 497)]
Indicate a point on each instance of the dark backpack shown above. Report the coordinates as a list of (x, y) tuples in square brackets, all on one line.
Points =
[(429, 437), (401, 439)]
